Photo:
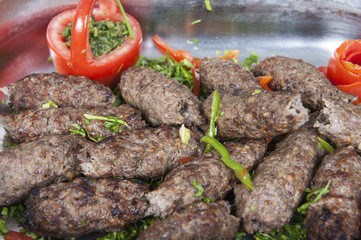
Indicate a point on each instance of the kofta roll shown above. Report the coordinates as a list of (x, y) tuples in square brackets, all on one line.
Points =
[(144, 153), (295, 75), (200, 220), (162, 100), (279, 182), (37, 89), (73, 209), (33, 124), (177, 190), (35, 164), (226, 75), (340, 122), (337, 214), (261, 115)]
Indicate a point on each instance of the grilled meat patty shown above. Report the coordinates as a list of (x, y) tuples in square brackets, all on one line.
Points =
[(295, 75), (35, 164), (337, 214), (34, 90), (279, 183), (177, 191), (199, 220), (82, 206), (33, 124), (258, 116), (340, 122), (145, 153), (162, 100), (226, 76)]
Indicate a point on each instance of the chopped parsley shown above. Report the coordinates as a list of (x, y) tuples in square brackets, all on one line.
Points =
[(104, 36), (250, 60)]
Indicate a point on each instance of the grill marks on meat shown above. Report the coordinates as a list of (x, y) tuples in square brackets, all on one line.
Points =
[(226, 76), (162, 100), (36, 164), (197, 221), (279, 183), (337, 215), (258, 116), (177, 190), (33, 124), (75, 208), (298, 76), (340, 122), (145, 153), (36, 89)]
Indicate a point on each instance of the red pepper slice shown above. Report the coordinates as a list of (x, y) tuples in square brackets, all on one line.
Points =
[(17, 236), (79, 60), (197, 81), (264, 81), (177, 55)]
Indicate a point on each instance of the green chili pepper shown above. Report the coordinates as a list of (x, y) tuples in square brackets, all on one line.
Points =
[(242, 173), (212, 131)]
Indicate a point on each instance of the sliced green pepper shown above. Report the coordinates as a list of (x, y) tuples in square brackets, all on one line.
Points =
[(212, 131)]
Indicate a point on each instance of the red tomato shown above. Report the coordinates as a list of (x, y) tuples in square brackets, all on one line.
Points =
[(344, 67), (79, 60), (17, 236)]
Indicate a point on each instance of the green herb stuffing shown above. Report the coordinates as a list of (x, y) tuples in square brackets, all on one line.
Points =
[(14, 211), (104, 36), (250, 60)]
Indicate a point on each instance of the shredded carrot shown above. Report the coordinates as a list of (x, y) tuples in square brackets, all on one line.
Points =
[(264, 80)]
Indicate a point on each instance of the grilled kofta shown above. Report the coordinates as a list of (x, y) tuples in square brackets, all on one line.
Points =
[(262, 115), (340, 122), (34, 90), (337, 214), (298, 76), (144, 153), (33, 124), (35, 164), (199, 220), (280, 181), (177, 190), (226, 76), (72, 209), (162, 100)]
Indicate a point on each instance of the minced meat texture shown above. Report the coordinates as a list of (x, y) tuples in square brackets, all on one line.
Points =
[(199, 220), (162, 100), (72, 209), (262, 115), (337, 214), (35, 164), (34, 90), (295, 75), (33, 124), (177, 191), (226, 76), (144, 153), (279, 182)]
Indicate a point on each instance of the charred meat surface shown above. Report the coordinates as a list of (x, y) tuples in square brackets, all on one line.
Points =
[(177, 190), (76, 208), (279, 183), (36, 164), (226, 76), (33, 124), (34, 90), (340, 122), (298, 76), (258, 116), (162, 100), (337, 214), (199, 220), (144, 153)]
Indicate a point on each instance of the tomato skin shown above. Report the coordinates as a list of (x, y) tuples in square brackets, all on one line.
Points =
[(79, 60), (17, 236), (344, 67)]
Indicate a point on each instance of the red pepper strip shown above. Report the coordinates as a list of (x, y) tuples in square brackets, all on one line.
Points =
[(230, 54), (197, 81), (184, 160), (177, 55), (354, 89), (12, 235), (264, 80)]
